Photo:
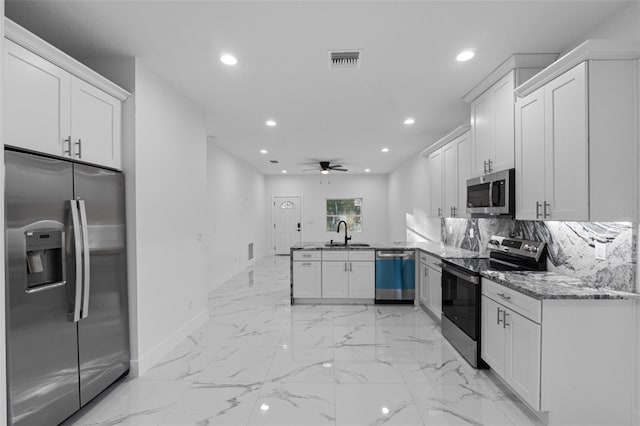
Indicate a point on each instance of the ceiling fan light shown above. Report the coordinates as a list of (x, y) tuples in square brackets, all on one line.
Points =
[(324, 172)]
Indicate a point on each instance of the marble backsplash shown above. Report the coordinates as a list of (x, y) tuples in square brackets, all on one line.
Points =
[(571, 246)]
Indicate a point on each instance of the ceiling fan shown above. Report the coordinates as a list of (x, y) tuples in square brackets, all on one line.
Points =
[(325, 167)]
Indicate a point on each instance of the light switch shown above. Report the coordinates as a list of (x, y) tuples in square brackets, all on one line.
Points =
[(601, 251), (471, 233)]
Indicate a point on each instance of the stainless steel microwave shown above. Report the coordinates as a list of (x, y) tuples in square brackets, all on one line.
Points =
[(492, 195)]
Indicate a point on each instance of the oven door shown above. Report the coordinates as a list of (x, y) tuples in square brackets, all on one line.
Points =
[(461, 300)]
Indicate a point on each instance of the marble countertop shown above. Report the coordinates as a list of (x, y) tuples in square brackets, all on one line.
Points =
[(433, 248), (551, 285)]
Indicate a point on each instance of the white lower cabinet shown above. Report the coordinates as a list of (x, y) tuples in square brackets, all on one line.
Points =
[(362, 280), (558, 355), (348, 275), (335, 279), (423, 293), (435, 292), (430, 294), (307, 277)]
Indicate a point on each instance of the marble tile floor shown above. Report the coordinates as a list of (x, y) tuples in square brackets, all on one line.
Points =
[(260, 361)]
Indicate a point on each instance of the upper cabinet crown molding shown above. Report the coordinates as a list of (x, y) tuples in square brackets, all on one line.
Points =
[(594, 49), (35, 44), (518, 60), (454, 134)]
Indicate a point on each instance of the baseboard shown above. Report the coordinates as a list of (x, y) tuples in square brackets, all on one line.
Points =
[(152, 357)]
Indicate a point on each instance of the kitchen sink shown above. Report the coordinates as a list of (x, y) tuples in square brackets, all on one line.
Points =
[(347, 245)]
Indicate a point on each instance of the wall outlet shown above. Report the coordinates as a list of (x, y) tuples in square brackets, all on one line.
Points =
[(450, 229), (471, 233), (601, 251)]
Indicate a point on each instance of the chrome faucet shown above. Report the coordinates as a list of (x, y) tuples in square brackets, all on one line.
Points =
[(346, 237)]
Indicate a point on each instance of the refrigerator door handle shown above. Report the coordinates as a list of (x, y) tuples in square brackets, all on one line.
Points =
[(86, 259), (77, 246)]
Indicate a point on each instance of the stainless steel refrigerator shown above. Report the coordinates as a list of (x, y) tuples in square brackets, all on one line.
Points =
[(66, 288)]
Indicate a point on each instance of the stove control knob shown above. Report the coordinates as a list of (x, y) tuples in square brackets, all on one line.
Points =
[(530, 249), (494, 242)]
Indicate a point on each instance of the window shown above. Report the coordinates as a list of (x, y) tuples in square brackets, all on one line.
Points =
[(287, 205), (349, 210)]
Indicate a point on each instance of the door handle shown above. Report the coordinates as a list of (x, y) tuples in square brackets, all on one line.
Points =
[(298, 226), (86, 258), (75, 221), (544, 210), (79, 145), (538, 205), (485, 166), (68, 150), (489, 164)]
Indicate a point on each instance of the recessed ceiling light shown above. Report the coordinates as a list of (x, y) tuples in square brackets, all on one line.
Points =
[(409, 121), (228, 59), (284, 171), (385, 150), (385, 410), (270, 123), (264, 407), (367, 170), (465, 55), (264, 151)]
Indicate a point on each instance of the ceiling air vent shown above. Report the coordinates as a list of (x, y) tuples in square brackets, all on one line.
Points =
[(344, 59), (273, 161)]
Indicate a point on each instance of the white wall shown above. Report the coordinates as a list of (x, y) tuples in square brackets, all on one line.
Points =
[(235, 215), (315, 190), (170, 209), (409, 203), (3, 364)]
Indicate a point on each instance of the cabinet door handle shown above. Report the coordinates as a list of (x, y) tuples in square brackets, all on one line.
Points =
[(485, 166), (504, 296), (544, 210), (68, 150), (504, 321), (455, 211), (489, 163), (350, 266), (439, 212), (345, 266), (538, 205), (79, 145), (498, 316), (306, 264)]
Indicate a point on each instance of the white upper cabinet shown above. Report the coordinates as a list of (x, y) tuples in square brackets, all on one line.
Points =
[(57, 106), (37, 103), (95, 125), (576, 146), (456, 170), (566, 150), (530, 156), (492, 128), (435, 183)]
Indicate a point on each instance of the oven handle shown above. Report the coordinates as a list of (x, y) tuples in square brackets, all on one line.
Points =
[(474, 279)]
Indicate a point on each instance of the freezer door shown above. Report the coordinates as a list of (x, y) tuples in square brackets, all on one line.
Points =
[(103, 331), (42, 351)]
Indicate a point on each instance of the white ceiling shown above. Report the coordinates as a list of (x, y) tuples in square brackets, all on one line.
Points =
[(408, 64)]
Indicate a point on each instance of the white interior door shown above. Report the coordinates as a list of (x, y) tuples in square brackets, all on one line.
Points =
[(287, 221)]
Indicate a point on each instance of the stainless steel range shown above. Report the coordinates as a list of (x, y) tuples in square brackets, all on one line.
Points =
[(461, 291)]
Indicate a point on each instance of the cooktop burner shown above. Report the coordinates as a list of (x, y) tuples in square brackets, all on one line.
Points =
[(506, 254)]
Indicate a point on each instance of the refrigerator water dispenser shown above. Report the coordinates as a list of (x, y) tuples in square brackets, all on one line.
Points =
[(45, 259)]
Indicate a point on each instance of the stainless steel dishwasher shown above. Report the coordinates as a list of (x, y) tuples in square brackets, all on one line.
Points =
[(395, 276)]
